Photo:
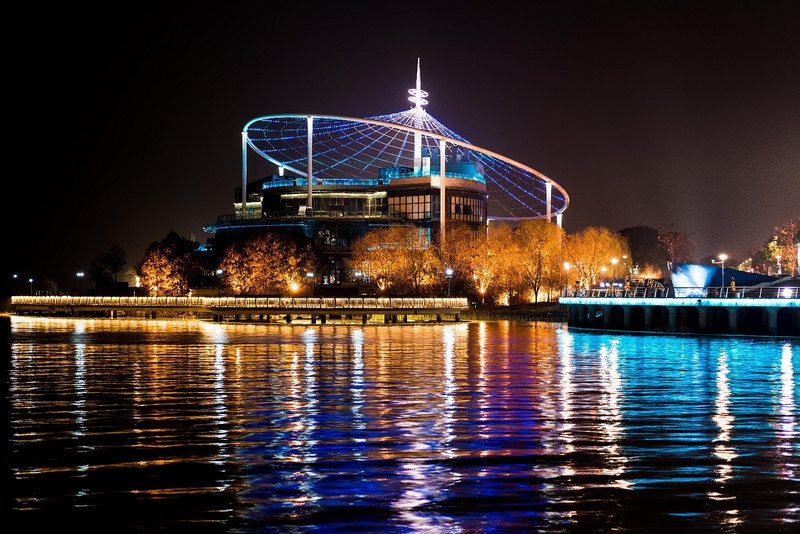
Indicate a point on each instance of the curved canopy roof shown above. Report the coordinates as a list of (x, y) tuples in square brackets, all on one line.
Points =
[(346, 147)]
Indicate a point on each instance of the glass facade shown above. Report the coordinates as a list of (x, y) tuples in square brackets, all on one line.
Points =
[(413, 207), (340, 205), (467, 209)]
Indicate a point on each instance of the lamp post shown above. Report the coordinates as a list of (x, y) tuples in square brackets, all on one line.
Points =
[(310, 278), (30, 281), (448, 273), (219, 272), (614, 271), (14, 283), (722, 258), (566, 278), (79, 274)]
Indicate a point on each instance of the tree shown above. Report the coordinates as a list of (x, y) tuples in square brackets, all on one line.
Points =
[(104, 267), (647, 254), (418, 262), (678, 246), (591, 249), (374, 256), (786, 240), (539, 255), (397, 258), (490, 253), (169, 266), (458, 250), (266, 263)]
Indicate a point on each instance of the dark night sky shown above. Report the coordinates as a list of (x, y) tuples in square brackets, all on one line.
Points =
[(126, 123)]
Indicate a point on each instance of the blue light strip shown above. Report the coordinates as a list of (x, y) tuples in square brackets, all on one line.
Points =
[(683, 302)]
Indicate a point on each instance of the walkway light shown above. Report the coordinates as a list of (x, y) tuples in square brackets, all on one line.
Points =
[(614, 263), (566, 276), (219, 272), (722, 258), (79, 274), (448, 273), (30, 281)]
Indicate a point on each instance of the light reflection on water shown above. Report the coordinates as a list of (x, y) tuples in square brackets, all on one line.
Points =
[(458, 427)]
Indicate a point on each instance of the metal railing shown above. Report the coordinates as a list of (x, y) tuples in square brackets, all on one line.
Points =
[(686, 292), (327, 303)]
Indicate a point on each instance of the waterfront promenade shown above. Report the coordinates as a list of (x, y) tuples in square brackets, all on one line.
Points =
[(244, 308), (756, 311)]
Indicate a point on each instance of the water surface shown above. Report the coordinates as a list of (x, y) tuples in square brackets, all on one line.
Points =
[(459, 427)]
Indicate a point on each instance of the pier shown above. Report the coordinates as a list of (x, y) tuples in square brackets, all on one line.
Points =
[(751, 311), (265, 309)]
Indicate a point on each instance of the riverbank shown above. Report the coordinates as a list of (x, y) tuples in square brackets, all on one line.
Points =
[(543, 311)]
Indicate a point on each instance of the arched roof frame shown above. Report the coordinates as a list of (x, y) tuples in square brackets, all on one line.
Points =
[(486, 156)]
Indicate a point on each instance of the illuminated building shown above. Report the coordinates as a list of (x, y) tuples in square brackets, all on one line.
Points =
[(338, 177)]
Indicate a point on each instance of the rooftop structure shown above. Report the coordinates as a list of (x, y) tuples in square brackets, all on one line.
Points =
[(337, 177)]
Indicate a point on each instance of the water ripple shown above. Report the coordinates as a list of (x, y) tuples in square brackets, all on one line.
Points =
[(463, 427)]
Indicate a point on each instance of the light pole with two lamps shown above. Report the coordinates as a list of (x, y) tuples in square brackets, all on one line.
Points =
[(79, 274)]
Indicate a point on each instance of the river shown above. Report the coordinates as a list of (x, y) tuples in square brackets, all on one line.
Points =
[(151, 425)]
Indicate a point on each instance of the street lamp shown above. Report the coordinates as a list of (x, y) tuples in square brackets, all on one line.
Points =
[(30, 281), (219, 272), (722, 258), (614, 270), (310, 276), (14, 283), (566, 277), (448, 273), (79, 274)]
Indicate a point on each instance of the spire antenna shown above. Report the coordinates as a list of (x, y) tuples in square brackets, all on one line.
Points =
[(418, 98), (417, 94)]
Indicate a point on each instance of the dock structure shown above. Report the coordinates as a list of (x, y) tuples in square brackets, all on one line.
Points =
[(391, 309), (775, 312)]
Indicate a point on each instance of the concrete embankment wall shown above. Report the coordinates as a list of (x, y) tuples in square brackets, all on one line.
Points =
[(770, 317), (549, 311)]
